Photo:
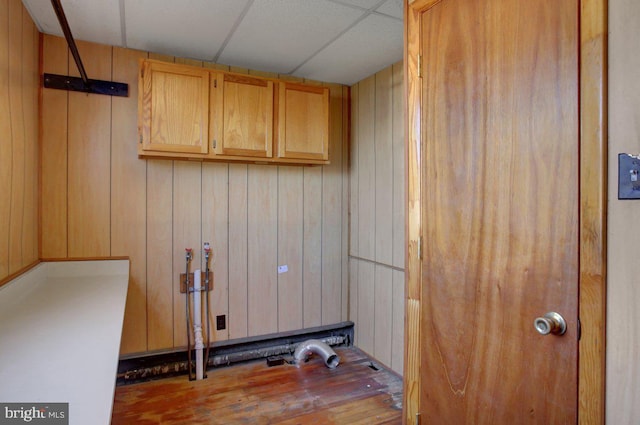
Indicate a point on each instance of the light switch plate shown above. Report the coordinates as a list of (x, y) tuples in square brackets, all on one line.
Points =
[(628, 176)]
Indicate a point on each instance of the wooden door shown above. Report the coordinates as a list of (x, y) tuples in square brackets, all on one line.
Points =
[(173, 108), (242, 116), (499, 181), (303, 122)]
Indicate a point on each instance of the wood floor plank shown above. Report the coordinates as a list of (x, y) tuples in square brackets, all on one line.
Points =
[(254, 393)]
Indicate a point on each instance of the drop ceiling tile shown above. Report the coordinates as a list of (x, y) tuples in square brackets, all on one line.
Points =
[(191, 28), (275, 35), (278, 35), (392, 8), (365, 4), (89, 20), (43, 16), (371, 45)]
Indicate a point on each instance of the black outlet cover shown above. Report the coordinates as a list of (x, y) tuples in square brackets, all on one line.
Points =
[(221, 322)]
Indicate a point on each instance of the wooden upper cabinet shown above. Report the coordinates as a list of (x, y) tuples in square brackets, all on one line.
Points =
[(198, 113), (242, 116), (303, 122), (173, 108)]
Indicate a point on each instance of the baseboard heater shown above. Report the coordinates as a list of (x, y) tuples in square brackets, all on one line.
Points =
[(149, 366)]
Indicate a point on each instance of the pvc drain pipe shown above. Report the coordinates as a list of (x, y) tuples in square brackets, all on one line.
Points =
[(197, 323)]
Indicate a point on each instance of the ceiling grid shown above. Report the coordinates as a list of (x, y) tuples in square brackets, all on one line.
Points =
[(341, 41)]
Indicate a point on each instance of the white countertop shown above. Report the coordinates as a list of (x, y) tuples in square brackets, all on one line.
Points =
[(60, 330)]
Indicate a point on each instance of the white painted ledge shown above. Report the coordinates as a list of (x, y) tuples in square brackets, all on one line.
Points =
[(60, 331)]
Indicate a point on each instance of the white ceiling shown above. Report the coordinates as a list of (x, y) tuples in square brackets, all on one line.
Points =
[(341, 41)]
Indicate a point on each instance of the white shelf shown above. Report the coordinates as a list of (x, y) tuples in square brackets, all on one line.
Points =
[(60, 331)]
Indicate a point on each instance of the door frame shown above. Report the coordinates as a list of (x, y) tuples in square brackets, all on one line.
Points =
[(592, 210)]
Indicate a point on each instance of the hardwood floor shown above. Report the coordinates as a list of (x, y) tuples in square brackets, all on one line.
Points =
[(253, 393)]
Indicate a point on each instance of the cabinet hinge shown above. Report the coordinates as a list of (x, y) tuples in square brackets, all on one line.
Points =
[(140, 138), (417, 418), (213, 144), (420, 247), (215, 84), (419, 66)]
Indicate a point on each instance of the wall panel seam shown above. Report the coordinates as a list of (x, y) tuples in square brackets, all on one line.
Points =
[(173, 271), (11, 136), (111, 160), (278, 259), (24, 139)]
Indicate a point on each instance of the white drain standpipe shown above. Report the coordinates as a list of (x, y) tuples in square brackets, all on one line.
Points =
[(197, 322)]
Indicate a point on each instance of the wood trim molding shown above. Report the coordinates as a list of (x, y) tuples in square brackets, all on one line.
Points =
[(593, 210), (422, 5), (413, 270), (25, 269), (12, 276), (593, 215), (53, 260)]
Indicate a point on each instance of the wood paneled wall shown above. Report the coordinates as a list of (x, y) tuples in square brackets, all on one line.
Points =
[(377, 229), (19, 50), (623, 268), (99, 199)]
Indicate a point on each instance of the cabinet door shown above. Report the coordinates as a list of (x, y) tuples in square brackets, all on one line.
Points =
[(242, 116), (303, 129), (173, 107)]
